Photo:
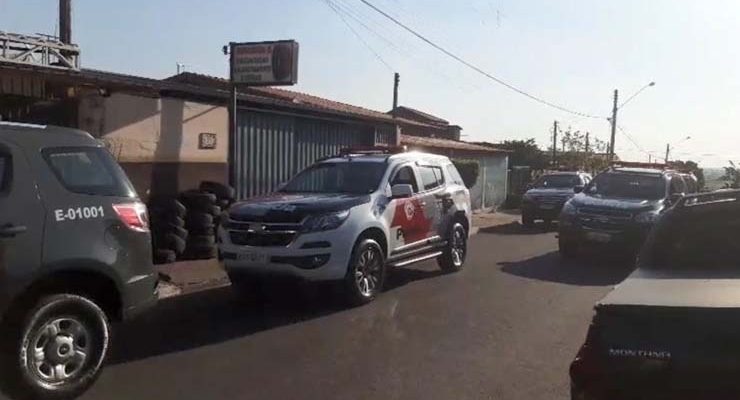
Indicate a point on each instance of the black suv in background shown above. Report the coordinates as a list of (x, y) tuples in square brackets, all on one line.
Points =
[(671, 329), (75, 253), (546, 196), (618, 208)]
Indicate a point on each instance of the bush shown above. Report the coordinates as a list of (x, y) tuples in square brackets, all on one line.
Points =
[(468, 170)]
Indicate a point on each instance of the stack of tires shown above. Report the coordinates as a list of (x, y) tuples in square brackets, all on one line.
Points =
[(200, 222), (169, 236), (224, 194)]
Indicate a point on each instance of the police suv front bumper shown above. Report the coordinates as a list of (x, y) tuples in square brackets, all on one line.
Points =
[(316, 256)]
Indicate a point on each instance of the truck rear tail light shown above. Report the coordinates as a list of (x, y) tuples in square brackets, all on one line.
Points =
[(133, 215)]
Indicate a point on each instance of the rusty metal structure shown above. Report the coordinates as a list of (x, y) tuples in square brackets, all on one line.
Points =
[(38, 50)]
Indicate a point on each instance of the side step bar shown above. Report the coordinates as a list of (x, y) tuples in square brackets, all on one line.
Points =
[(409, 261)]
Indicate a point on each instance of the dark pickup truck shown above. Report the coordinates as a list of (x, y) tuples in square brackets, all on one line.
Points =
[(618, 208), (671, 330), (545, 197)]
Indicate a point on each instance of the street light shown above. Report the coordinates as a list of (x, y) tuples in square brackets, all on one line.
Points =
[(636, 93), (613, 119), (668, 147)]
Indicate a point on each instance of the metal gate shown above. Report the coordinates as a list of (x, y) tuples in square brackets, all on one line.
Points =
[(271, 148)]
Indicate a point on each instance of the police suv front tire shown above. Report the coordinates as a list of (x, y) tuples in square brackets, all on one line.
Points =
[(55, 350), (365, 273)]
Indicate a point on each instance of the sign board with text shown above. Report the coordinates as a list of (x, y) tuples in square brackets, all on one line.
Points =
[(264, 63)]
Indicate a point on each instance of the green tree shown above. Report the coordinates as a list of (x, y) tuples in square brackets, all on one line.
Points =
[(732, 176), (524, 153), (693, 167), (574, 153)]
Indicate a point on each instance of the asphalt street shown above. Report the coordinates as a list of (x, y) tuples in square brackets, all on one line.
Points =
[(506, 327)]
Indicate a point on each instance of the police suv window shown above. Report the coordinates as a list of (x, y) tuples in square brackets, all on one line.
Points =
[(88, 170), (431, 177), (454, 175), (405, 176)]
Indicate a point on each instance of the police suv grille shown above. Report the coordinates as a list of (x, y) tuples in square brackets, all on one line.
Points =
[(260, 234), (604, 219), (551, 199)]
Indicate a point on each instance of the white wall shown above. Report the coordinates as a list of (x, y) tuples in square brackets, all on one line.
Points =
[(145, 129)]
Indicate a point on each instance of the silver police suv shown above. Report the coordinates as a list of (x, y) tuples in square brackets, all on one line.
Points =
[(348, 218)]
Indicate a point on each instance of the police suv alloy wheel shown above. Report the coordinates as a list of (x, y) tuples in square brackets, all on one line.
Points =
[(366, 273), (59, 348), (453, 257)]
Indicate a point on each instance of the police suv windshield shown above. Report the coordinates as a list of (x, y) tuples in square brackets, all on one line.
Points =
[(557, 181), (356, 177), (630, 186)]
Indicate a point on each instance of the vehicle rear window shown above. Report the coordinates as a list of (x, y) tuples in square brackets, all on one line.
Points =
[(4, 171), (88, 170), (703, 238), (431, 177)]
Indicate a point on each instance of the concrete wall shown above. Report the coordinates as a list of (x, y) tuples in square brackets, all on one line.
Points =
[(156, 139), (490, 189)]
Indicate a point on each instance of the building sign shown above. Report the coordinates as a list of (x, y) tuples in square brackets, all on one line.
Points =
[(207, 141), (264, 63)]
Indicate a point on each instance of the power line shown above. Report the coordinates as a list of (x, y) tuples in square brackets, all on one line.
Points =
[(634, 142), (475, 68), (405, 50), (357, 34)]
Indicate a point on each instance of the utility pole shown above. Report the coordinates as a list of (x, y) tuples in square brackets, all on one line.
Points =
[(587, 133), (65, 21), (396, 81), (667, 152), (650, 158), (614, 125), (554, 141)]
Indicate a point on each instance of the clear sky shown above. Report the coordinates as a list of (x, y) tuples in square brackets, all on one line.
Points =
[(570, 52)]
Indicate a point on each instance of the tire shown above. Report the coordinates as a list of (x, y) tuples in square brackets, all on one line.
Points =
[(215, 211), (453, 256), (164, 256), (197, 200), (201, 240), (202, 230), (198, 219), (163, 220), (74, 323), (567, 248), (182, 233), (365, 273), (167, 205), (170, 241), (527, 220), (220, 190)]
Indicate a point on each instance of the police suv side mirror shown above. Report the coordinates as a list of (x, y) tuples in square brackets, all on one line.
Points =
[(401, 191), (577, 189)]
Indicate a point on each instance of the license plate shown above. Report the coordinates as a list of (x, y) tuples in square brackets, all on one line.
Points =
[(255, 258), (600, 237), (547, 206)]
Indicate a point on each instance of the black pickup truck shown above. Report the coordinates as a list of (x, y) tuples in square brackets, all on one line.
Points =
[(671, 330)]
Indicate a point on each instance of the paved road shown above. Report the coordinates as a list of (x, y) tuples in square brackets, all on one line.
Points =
[(504, 328)]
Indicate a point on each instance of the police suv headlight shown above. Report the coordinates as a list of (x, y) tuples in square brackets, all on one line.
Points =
[(325, 222), (647, 217)]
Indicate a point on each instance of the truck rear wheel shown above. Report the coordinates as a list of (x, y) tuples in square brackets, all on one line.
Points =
[(55, 349)]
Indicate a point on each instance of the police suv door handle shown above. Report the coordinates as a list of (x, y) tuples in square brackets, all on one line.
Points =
[(7, 231)]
